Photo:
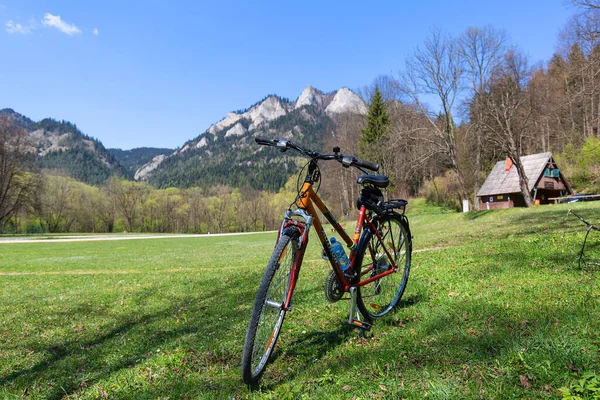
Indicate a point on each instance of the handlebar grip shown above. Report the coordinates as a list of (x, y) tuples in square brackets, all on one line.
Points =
[(367, 165), (266, 142)]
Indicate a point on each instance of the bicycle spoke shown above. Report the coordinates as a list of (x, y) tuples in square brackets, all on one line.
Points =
[(387, 249), (268, 313)]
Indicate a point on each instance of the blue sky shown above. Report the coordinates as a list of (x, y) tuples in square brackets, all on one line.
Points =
[(156, 73)]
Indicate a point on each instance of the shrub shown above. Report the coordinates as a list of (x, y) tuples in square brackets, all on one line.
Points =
[(581, 167), (443, 191), (586, 386)]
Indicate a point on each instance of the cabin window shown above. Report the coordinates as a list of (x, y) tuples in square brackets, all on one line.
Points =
[(552, 173)]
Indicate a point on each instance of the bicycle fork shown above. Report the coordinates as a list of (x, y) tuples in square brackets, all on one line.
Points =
[(354, 318)]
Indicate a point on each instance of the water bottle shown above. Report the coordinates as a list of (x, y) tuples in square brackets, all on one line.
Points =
[(339, 254)]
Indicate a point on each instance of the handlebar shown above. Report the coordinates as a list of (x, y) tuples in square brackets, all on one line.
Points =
[(347, 160), (366, 164), (266, 142)]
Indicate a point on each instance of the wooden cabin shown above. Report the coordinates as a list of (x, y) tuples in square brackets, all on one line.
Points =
[(501, 188)]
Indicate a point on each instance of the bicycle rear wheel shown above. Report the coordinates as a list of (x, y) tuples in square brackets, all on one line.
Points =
[(379, 297), (268, 313)]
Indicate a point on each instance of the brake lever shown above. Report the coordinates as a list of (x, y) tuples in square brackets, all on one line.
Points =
[(347, 160)]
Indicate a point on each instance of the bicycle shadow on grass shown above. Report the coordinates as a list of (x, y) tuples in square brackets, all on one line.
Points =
[(316, 345), (408, 301), (305, 348)]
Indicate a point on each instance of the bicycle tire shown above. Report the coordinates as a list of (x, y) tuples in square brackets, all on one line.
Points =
[(377, 298), (266, 319)]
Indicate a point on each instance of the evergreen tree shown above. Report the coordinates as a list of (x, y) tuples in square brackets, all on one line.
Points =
[(378, 124)]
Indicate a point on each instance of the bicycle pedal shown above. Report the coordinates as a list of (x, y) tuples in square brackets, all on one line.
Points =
[(361, 324)]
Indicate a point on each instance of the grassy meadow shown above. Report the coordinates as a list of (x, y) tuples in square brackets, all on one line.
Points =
[(496, 307)]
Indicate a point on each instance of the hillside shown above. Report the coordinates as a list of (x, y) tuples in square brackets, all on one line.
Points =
[(226, 153), (134, 159), (60, 146)]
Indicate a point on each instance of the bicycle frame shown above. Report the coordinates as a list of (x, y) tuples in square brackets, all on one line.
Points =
[(373, 249), (306, 210)]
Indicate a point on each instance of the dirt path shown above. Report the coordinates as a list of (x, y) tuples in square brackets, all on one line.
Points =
[(429, 249), (55, 239)]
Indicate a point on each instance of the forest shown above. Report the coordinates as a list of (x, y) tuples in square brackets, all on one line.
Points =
[(460, 104), (457, 106)]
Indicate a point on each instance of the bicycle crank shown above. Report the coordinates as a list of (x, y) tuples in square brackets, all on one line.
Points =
[(333, 290)]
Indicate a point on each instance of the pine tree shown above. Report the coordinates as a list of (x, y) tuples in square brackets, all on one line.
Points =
[(378, 124)]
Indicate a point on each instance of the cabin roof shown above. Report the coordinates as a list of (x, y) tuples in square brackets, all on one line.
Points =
[(501, 182)]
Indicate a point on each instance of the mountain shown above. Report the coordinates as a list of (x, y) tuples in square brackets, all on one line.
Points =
[(60, 145), (226, 153), (134, 159), (18, 119)]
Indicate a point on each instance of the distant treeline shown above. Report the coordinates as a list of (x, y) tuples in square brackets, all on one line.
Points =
[(62, 204)]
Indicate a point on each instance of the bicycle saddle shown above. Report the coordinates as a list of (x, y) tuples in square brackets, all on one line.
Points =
[(380, 181)]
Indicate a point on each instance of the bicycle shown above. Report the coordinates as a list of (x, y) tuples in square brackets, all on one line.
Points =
[(380, 256)]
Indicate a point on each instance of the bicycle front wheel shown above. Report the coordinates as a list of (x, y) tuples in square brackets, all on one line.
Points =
[(379, 297), (268, 313)]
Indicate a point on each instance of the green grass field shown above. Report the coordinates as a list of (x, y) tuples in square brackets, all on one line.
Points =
[(501, 310)]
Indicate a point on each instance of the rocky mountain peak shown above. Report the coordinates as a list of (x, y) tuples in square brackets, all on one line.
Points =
[(262, 118), (237, 130), (310, 97), (229, 120), (346, 100), (142, 172), (268, 110)]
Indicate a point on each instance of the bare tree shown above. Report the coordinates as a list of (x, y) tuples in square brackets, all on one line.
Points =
[(412, 158), (506, 107), (387, 85), (250, 209), (587, 4), (584, 26), (437, 70), (481, 50), (129, 197), (337, 182), (15, 182), (581, 42), (55, 203)]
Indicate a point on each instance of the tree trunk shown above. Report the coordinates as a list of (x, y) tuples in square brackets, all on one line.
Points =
[(523, 183)]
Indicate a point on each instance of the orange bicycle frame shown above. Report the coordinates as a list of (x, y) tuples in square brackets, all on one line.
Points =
[(307, 201)]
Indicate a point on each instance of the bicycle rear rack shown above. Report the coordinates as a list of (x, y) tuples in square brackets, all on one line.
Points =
[(395, 204)]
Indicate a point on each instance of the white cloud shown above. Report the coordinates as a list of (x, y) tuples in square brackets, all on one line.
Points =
[(55, 21), (96, 32), (11, 27)]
